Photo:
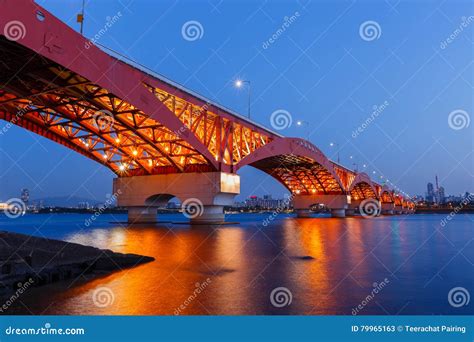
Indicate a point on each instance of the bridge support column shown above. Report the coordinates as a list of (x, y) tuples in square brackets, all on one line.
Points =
[(398, 210), (203, 195), (336, 203), (303, 213), (210, 214), (387, 208), (142, 215)]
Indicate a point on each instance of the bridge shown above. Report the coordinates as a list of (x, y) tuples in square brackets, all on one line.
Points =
[(160, 139)]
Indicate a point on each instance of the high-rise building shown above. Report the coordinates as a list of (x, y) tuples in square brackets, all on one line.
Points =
[(441, 195), (25, 195), (430, 195)]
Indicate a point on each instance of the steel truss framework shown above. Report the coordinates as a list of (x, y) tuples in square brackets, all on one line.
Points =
[(137, 123)]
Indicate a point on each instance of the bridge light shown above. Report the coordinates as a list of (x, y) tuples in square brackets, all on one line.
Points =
[(297, 192), (121, 167), (117, 140), (104, 156), (238, 83), (350, 157), (313, 191), (135, 152), (365, 165)]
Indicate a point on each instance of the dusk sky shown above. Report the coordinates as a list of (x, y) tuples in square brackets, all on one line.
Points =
[(324, 69)]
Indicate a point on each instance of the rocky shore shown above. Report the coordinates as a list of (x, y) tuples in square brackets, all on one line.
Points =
[(38, 261)]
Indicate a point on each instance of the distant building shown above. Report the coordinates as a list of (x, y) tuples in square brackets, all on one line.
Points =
[(441, 195), (25, 196), (83, 205), (430, 195)]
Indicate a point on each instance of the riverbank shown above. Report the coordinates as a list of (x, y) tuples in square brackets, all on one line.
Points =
[(26, 259)]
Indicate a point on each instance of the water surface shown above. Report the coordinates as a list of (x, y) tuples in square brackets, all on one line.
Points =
[(329, 266)]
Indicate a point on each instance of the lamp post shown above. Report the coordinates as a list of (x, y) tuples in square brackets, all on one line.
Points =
[(337, 146), (240, 84), (301, 123)]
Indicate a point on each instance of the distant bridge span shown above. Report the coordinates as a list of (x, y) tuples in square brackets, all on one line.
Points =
[(160, 139)]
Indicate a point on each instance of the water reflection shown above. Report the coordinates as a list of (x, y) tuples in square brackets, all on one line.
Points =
[(329, 265)]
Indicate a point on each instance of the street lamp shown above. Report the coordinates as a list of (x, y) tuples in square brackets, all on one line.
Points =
[(240, 84), (337, 146)]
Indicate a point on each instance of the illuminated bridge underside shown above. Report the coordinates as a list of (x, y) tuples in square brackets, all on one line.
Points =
[(139, 123)]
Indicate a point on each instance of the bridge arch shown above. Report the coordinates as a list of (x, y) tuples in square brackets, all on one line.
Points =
[(299, 165), (362, 187)]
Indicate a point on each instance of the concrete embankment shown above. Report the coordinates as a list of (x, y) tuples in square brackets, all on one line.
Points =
[(37, 261)]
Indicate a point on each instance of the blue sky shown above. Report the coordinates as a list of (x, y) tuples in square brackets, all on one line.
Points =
[(320, 70)]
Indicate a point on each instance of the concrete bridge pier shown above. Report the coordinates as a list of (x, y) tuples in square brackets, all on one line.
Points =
[(336, 203), (303, 213), (398, 210), (202, 195), (142, 214), (388, 208), (353, 207)]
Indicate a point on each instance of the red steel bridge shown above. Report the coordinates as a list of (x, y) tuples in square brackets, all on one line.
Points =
[(160, 139)]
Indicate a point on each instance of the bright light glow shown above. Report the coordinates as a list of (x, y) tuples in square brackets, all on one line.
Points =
[(299, 123), (117, 140), (365, 165), (350, 157), (87, 144), (331, 144), (135, 152), (238, 83), (373, 172), (105, 156), (314, 191), (297, 192), (122, 167)]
